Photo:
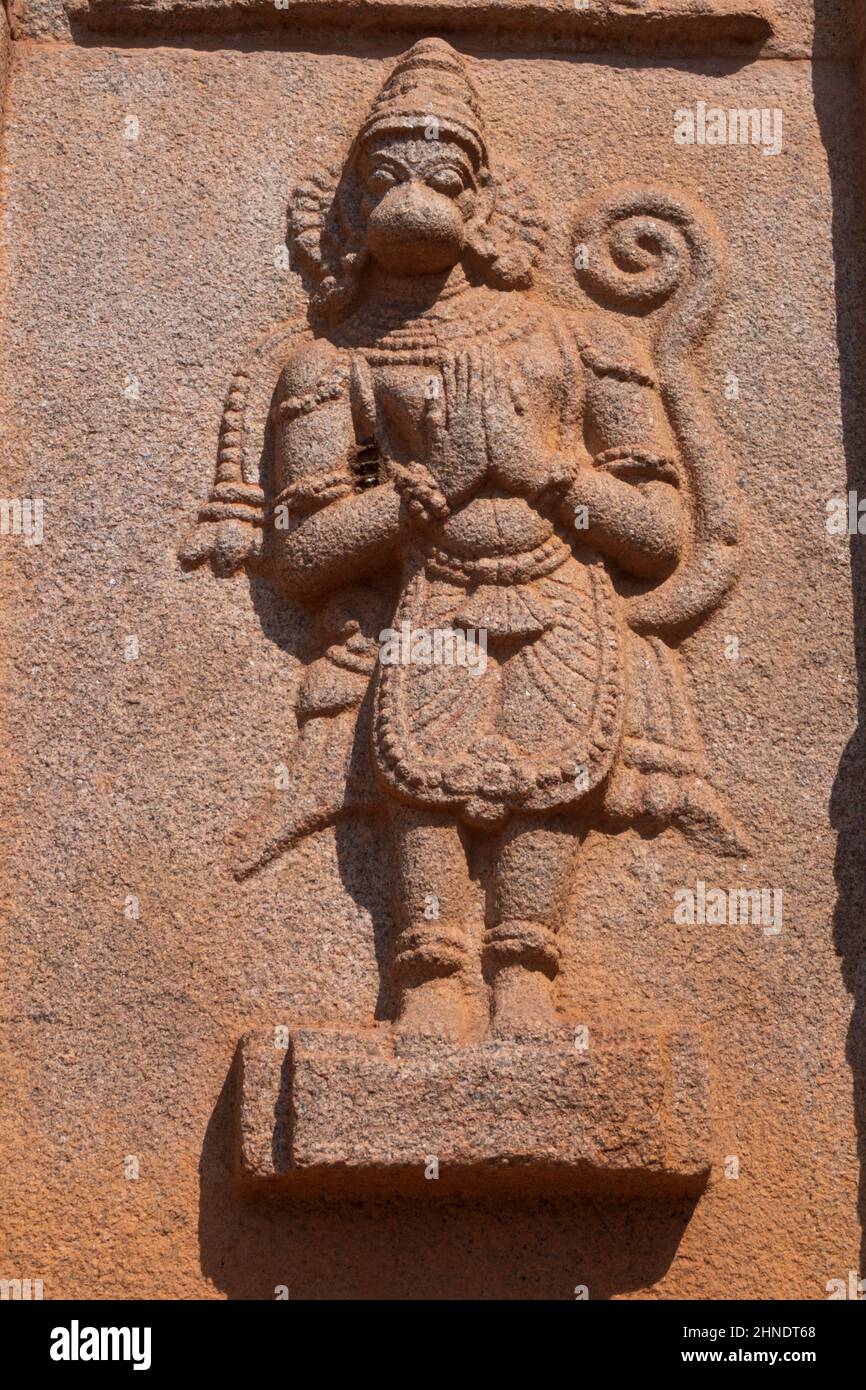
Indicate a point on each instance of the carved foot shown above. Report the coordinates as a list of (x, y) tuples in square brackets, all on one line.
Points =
[(435, 1008), (522, 1003)]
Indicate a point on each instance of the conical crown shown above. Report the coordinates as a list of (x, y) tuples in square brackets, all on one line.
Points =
[(430, 83)]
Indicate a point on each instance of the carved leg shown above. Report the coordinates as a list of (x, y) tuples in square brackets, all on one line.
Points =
[(431, 892), (531, 883)]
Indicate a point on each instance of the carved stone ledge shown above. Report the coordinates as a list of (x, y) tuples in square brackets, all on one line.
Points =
[(671, 25), (344, 1112)]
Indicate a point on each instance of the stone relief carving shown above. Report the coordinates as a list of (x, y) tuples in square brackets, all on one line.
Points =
[(504, 513)]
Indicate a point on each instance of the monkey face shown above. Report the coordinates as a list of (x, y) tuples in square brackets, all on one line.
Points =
[(419, 196)]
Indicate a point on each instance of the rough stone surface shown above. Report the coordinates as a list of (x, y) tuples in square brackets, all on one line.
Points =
[(548, 1115), (136, 274)]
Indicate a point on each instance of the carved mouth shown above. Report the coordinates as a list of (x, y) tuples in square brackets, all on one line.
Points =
[(415, 252)]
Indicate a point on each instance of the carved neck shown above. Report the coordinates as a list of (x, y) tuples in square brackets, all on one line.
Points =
[(413, 295)]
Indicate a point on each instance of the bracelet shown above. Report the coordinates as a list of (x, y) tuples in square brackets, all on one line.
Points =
[(306, 494), (629, 462)]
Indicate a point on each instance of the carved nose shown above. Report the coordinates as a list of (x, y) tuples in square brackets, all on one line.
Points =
[(414, 208)]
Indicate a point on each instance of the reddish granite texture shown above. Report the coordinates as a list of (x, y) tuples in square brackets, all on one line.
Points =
[(145, 208)]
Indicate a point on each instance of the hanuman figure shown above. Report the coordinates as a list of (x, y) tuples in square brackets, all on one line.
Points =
[(447, 451)]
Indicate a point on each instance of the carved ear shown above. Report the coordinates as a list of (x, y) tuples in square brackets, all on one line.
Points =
[(308, 211), (509, 231), (326, 235)]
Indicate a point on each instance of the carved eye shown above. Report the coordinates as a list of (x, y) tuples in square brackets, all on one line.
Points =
[(379, 181), (447, 181)]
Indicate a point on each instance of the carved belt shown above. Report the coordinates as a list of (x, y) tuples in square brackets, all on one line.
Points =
[(497, 569)]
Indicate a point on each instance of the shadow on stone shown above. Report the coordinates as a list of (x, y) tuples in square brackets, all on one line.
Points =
[(848, 805), (428, 1248)]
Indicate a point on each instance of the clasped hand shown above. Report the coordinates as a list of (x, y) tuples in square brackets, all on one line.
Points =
[(479, 430)]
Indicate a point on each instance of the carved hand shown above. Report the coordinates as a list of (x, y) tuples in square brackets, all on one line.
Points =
[(520, 461), (456, 439), (226, 544)]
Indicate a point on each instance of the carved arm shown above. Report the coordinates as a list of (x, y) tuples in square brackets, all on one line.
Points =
[(639, 528), (626, 502), (344, 541)]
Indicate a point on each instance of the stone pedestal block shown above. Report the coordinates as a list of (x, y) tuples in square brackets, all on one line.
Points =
[(352, 1110)]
